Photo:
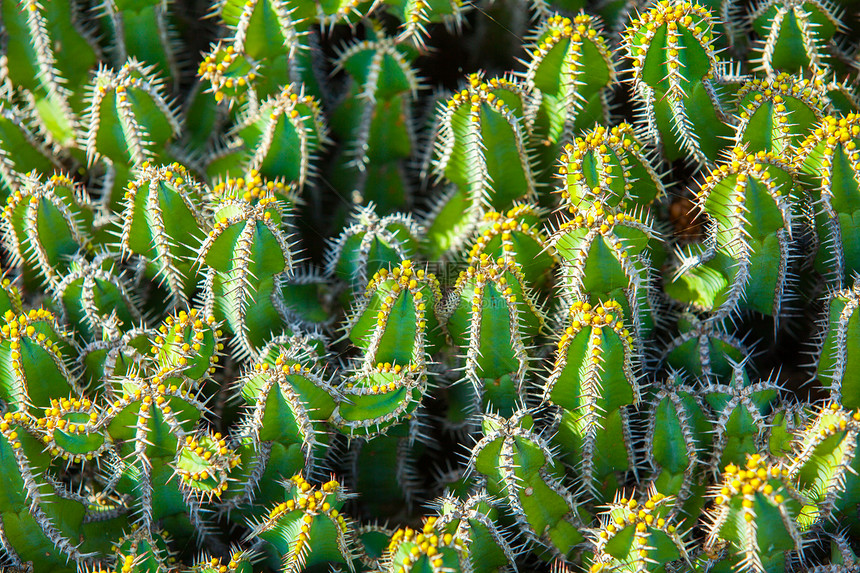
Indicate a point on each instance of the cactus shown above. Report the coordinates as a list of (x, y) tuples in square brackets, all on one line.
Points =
[(636, 536), (607, 255), (593, 399), (794, 36), (162, 221), (824, 456), (129, 121), (308, 528), (748, 205), (257, 253), (602, 167), (375, 124), (47, 61), (775, 115), (46, 224), (517, 465), (826, 160), (372, 243), (487, 114), (244, 252), (492, 316), (677, 442), (670, 48), (396, 325), (572, 68), (754, 511), (834, 365)]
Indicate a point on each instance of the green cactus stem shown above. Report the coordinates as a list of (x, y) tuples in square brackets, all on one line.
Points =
[(152, 419), (115, 355), (492, 317), (129, 119), (571, 67), (775, 115), (47, 61), (388, 494), (671, 51), (592, 423), (480, 145), (677, 445), (96, 297), (606, 255), (741, 408), (637, 536), (21, 149), (371, 243), (475, 521), (795, 35), (189, 342), (396, 325), (308, 529), (283, 430), (163, 222), (72, 430), (754, 510), (279, 141), (375, 124), (145, 31), (518, 466), (828, 163), (35, 352), (38, 524), (835, 364), (823, 465), (416, 15), (144, 551), (517, 238), (704, 349), (45, 224), (247, 248), (231, 76), (602, 167), (749, 208)]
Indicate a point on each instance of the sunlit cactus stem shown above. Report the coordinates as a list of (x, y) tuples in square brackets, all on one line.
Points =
[(796, 36), (244, 252), (492, 317), (637, 535), (595, 379), (836, 363), (308, 529), (608, 255), (396, 325), (749, 208), (824, 466), (571, 67), (45, 224), (486, 115), (517, 465), (754, 510), (163, 222), (608, 167), (670, 48), (829, 162)]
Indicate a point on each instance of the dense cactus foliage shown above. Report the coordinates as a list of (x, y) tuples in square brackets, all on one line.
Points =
[(429, 286)]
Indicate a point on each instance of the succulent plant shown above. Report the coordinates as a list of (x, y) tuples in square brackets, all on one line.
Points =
[(429, 285)]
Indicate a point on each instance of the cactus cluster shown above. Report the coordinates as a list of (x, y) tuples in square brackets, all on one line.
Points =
[(440, 286)]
